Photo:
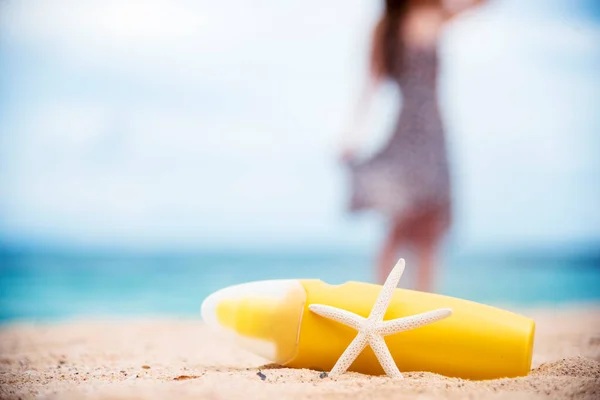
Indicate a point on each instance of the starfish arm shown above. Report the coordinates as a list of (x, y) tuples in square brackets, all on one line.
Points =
[(349, 355), (336, 314), (384, 356), (414, 321), (385, 296)]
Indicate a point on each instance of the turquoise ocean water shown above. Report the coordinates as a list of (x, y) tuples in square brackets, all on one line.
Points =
[(42, 286)]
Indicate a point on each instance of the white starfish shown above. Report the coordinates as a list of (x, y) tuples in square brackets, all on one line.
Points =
[(371, 330)]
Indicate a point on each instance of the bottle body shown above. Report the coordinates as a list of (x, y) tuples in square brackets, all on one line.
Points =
[(476, 342)]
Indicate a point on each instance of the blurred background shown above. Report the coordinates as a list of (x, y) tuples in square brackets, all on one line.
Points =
[(154, 151)]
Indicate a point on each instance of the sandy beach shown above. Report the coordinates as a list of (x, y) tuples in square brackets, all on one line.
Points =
[(181, 359)]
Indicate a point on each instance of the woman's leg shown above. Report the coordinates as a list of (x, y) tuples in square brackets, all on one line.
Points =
[(426, 254), (426, 242), (388, 254)]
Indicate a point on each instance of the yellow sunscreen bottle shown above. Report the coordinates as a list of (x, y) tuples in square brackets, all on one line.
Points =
[(272, 320)]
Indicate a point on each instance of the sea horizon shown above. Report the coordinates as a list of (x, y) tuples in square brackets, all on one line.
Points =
[(55, 284)]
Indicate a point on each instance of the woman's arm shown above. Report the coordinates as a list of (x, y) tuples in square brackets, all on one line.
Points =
[(355, 130), (353, 133)]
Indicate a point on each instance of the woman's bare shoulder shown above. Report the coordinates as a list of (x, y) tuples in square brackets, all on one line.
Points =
[(422, 26)]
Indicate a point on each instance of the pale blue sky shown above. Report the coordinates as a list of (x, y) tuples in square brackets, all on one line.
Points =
[(173, 123)]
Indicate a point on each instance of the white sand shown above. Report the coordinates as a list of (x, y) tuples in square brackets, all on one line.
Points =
[(180, 359)]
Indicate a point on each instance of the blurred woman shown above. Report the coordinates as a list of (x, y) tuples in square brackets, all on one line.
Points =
[(408, 179)]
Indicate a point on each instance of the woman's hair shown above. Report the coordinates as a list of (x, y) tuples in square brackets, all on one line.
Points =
[(388, 46)]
